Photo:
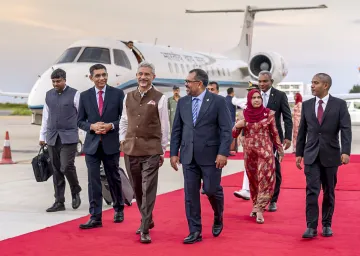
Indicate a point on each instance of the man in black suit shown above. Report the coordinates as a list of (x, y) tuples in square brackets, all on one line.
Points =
[(202, 131), (99, 115), (276, 100), (318, 143)]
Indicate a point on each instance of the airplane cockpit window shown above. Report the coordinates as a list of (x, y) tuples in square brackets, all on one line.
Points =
[(69, 55), (356, 105), (95, 55), (121, 59)]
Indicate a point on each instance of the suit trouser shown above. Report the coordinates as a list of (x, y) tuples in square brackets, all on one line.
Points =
[(316, 176), (111, 167), (143, 175), (277, 180), (211, 176), (62, 157)]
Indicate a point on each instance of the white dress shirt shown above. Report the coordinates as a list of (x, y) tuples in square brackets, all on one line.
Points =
[(324, 104), (164, 121), (266, 97), (45, 115), (103, 97), (97, 94), (240, 102)]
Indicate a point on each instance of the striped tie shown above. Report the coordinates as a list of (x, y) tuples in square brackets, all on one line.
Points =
[(195, 109)]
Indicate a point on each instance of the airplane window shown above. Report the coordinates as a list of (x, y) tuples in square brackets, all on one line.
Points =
[(223, 70), (176, 68), (228, 72), (69, 55), (212, 71), (188, 67), (182, 68), (218, 70), (95, 55), (121, 59), (170, 67)]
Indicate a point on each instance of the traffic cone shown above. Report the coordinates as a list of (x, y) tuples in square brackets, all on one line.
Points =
[(6, 155)]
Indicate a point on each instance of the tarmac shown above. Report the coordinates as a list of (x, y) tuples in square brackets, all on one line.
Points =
[(23, 201)]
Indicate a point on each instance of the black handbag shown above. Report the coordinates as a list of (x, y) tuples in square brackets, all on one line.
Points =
[(42, 166)]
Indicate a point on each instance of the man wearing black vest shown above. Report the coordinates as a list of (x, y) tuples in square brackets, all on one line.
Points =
[(144, 131), (60, 132)]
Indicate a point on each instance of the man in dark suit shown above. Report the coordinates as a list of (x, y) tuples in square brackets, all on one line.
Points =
[(276, 100), (318, 143), (99, 115), (202, 132)]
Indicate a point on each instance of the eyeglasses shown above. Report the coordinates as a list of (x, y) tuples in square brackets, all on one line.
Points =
[(188, 81)]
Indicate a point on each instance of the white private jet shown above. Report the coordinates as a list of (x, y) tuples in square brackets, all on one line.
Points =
[(231, 69)]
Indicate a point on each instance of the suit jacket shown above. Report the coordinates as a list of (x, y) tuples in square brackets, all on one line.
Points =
[(211, 134), (280, 104), (89, 114), (323, 140)]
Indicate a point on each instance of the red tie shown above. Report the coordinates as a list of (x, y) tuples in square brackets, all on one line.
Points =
[(320, 111), (101, 102)]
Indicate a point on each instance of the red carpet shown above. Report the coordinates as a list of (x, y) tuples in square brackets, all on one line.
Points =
[(280, 235)]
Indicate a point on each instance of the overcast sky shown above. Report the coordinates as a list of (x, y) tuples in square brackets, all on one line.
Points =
[(36, 32)]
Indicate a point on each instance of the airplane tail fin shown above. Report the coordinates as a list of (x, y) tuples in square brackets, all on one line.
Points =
[(243, 50)]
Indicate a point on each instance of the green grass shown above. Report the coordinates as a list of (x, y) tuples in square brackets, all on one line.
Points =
[(16, 109), (10, 106), (21, 112)]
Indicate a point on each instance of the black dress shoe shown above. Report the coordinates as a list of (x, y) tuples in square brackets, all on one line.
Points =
[(217, 227), (151, 226), (145, 238), (193, 238), (56, 207), (76, 201), (202, 191), (272, 207), (91, 224), (119, 217), (327, 232), (310, 233)]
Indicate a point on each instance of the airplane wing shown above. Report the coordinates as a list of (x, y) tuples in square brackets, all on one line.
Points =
[(14, 94)]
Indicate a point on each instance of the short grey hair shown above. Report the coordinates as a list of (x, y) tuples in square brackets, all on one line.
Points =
[(146, 64), (325, 78), (267, 73)]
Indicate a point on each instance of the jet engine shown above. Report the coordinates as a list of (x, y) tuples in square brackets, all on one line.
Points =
[(270, 61)]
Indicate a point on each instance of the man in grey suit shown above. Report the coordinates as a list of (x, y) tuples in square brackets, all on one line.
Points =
[(318, 142), (202, 131)]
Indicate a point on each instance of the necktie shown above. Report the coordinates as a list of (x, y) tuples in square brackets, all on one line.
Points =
[(265, 100), (101, 102), (195, 109), (320, 111)]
